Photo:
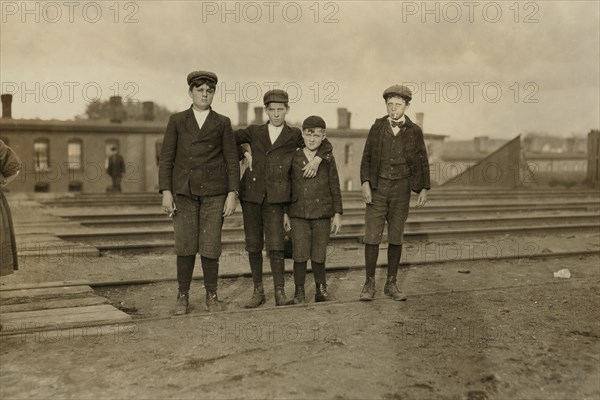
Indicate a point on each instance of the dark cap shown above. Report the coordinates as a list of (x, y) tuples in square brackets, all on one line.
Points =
[(197, 75), (275, 96), (313, 122), (397, 90)]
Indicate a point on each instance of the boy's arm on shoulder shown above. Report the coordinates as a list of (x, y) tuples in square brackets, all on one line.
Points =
[(325, 151)]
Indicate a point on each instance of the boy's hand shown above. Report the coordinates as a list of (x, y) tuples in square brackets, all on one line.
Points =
[(248, 158), (422, 199), (230, 204), (336, 224), (168, 204), (310, 169), (286, 223), (366, 193)]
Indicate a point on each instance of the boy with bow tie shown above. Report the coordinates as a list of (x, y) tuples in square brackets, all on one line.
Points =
[(394, 162)]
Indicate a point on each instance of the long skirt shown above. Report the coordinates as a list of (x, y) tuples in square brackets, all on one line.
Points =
[(8, 245)]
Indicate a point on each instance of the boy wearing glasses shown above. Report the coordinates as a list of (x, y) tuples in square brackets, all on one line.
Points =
[(315, 211), (265, 190), (198, 177)]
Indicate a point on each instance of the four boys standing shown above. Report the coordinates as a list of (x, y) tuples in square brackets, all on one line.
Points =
[(284, 188)]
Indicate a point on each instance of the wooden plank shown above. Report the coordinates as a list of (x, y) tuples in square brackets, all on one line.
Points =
[(51, 304), (62, 318), (58, 313), (30, 295), (18, 286)]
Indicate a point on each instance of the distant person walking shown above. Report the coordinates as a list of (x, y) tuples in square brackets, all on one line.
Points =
[(115, 169), (9, 169)]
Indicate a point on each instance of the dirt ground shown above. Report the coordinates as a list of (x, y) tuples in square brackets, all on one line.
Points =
[(469, 330)]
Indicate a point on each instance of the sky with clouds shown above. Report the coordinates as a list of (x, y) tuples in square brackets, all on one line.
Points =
[(476, 68)]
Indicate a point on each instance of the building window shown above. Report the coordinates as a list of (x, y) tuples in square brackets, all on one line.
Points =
[(74, 154), (349, 186), (41, 187), (348, 154), (40, 154)]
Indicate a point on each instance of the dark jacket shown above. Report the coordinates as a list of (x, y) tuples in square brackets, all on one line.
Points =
[(116, 166), (202, 162), (319, 197), (413, 146), (271, 163)]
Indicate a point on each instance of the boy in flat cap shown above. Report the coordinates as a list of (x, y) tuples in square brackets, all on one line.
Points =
[(315, 211), (394, 162), (265, 189), (198, 178)]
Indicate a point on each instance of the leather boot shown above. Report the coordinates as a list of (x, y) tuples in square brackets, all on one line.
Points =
[(258, 297), (390, 289), (368, 292), (299, 295), (321, 293), (280, 298), (183, 301), (213, 303)]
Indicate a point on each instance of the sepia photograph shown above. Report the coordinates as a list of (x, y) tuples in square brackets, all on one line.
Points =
[(308, 199)]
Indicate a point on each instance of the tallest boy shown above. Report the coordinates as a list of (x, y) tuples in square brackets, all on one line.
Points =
[(265, 189)]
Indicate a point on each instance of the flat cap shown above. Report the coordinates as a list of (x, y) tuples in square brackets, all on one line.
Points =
[(312, 122), (275, 96), (397, 90), (197, 75)]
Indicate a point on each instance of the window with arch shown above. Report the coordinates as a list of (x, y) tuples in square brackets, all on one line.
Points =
[(41, 154), (74, 154)]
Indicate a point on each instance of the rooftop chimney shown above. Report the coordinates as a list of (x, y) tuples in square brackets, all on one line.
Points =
[(243, 113), (419, 119), (148, 111), (117, 112), (258, 115), (6, 105), (343, 118)]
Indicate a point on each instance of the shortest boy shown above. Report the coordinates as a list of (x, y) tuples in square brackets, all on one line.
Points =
[(314, 212)]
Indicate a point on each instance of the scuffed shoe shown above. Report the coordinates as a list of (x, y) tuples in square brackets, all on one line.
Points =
[(258, 297), (391, 290), (368, 291), (183, 301)]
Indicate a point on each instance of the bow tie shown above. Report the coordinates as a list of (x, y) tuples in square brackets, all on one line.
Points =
[(396, 124)]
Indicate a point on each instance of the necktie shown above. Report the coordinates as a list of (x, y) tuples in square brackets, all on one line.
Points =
[(397, 124)]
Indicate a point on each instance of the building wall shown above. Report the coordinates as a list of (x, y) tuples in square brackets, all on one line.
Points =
[(138, 146)]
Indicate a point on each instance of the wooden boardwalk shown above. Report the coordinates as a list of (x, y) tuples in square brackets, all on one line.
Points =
[(55, 308)]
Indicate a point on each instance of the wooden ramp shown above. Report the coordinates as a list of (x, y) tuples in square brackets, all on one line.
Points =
[(54, 308)]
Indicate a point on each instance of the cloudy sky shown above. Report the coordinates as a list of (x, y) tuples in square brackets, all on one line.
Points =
[(476, 68)]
